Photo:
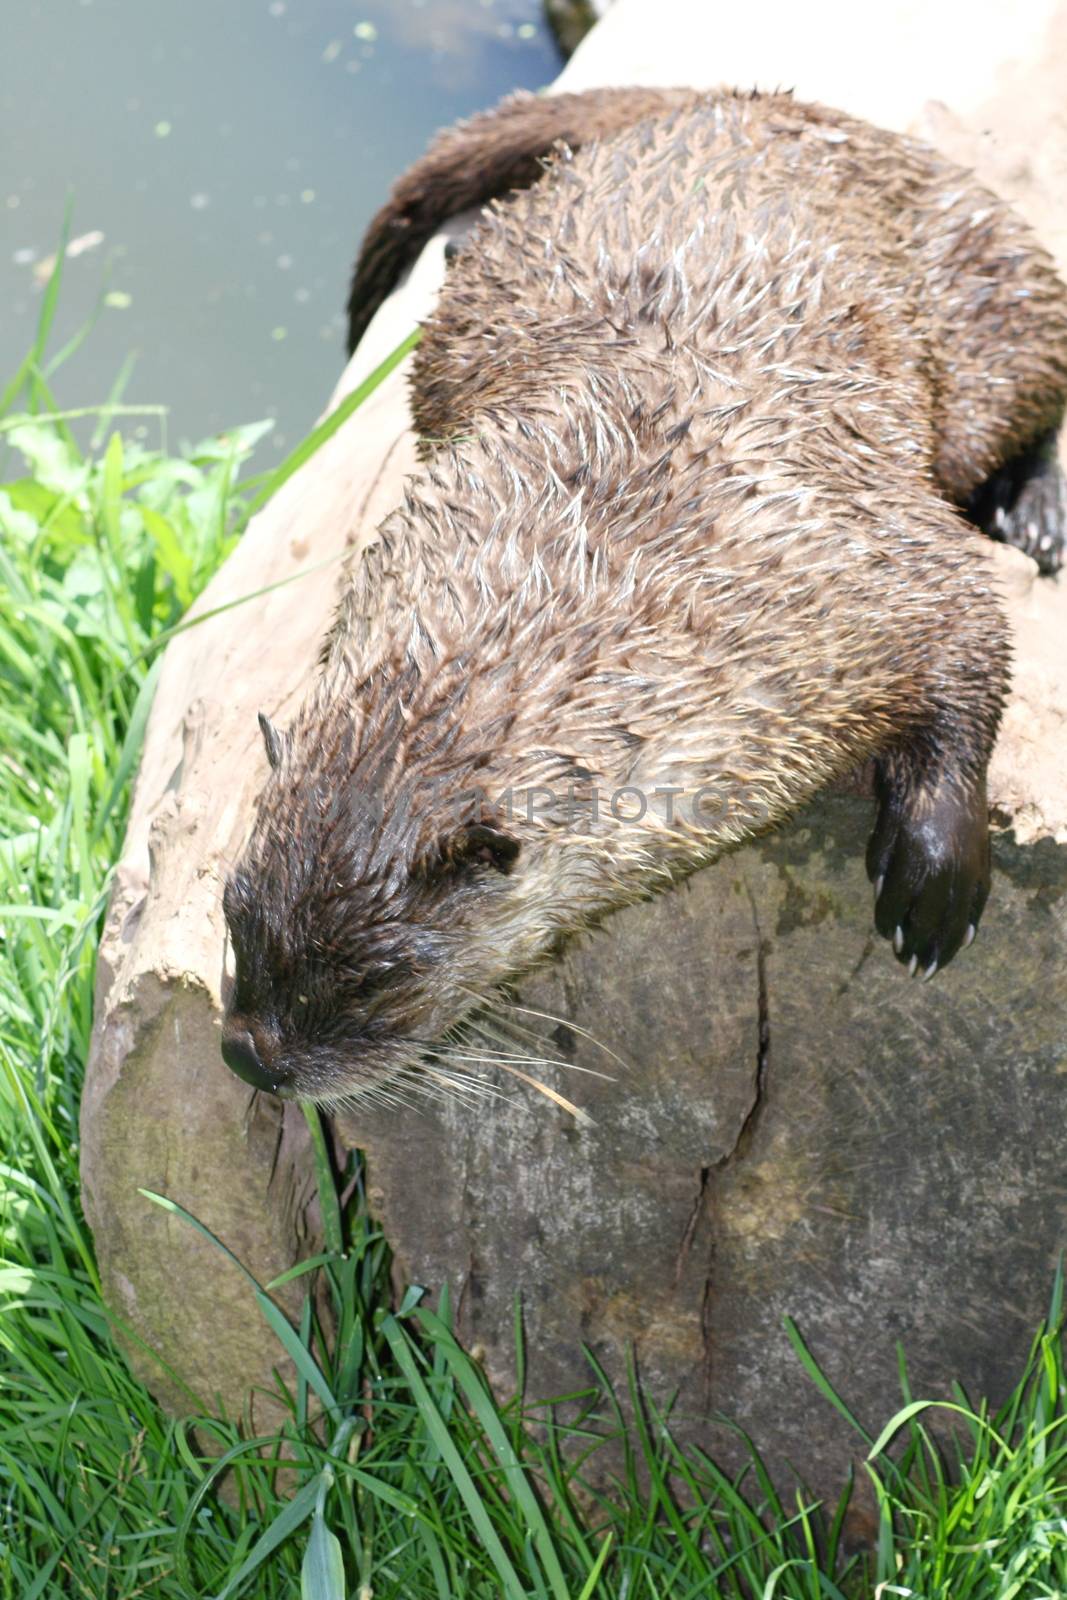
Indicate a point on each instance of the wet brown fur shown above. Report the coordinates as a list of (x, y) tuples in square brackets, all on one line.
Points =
[(698, 407), (479, 160)]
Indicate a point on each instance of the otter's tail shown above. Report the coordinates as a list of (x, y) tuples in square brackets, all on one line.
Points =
[(476, 161)]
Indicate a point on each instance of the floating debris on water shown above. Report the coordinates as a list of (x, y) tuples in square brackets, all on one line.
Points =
[(84, 242)]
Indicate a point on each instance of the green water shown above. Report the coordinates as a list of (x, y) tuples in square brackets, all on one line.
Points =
[(223, 157)]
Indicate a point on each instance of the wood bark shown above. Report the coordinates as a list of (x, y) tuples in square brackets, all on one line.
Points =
[(797, 1130)]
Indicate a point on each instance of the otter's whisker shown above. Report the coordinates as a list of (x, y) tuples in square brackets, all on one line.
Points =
[(573, 1027), (490, 1012), (445, 1063), (461, 1044), (542, 1088), (489, 1026), (369, 1097), (385, 1096), (463, 1088), (449, 1047), (442, 1066), (506, 1061), (520, 1055), (428, 1085)]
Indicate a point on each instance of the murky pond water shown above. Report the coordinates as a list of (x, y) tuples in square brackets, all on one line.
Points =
[(222, 158)]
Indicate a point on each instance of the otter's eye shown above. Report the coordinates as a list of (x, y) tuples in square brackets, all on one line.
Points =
[(488, 847), (478, 845), (483, 846)]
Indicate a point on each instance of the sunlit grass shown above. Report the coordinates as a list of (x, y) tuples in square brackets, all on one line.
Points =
[(413, 1482)]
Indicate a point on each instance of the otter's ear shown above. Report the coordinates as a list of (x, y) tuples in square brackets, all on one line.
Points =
[(273, 740), (481, 845)]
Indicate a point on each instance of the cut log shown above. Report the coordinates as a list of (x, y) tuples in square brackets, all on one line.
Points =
[(797, 1129), (159, 1110)]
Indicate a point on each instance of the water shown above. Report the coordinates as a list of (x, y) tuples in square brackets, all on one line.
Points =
[(223, 157)]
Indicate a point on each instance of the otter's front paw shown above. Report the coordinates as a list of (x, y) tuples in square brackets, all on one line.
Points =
[(929, 862)]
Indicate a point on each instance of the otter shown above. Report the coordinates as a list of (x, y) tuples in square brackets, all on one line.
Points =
[(710, 400)]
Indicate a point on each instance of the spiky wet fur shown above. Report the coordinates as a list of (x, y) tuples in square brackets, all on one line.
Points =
[(697, 410)]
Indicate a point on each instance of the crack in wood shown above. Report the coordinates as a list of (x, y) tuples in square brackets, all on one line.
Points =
[(737, 1152), (689, 1231), (747, 1131)]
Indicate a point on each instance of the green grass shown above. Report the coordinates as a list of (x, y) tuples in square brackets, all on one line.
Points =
[(414, 1482)]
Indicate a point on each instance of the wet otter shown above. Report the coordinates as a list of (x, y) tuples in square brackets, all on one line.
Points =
[(700, 406)]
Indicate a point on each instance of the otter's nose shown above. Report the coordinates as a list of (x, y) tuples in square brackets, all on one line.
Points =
[(244, 1057)]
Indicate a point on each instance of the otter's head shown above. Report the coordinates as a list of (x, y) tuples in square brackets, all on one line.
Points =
[(370, 911)]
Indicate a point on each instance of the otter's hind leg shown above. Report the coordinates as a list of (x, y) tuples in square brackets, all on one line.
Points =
[(1024, 504), (994, 314)]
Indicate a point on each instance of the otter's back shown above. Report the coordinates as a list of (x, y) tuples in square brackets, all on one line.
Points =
[(759, 230)]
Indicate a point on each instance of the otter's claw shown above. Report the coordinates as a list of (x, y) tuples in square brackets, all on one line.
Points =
[(933, 857), (1025, 505)]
